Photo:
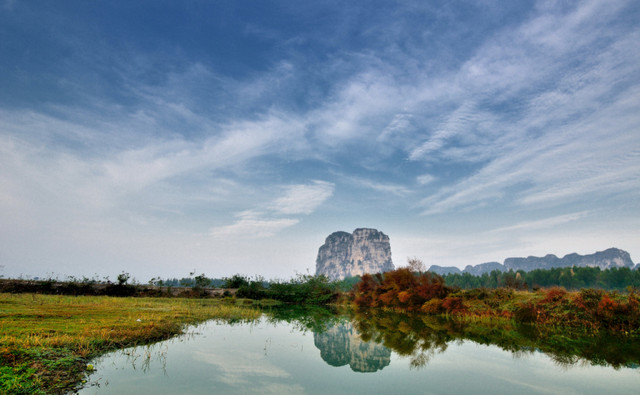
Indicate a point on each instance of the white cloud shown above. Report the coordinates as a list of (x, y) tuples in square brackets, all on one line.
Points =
[(252, 227), (542, 223), (393, 189), (303, 199), (357, 109), (425, 179), (266, 221)]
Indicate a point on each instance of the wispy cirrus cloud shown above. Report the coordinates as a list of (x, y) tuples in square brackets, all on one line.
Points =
[(387, 188), (252, 225), (303, 199), (572, 136), (267, 220), (542, 223)]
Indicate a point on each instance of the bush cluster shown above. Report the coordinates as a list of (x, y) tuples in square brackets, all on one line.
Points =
[(400, 289), (303, 289)]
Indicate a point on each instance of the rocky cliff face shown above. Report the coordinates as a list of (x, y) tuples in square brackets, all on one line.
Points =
[(341, 345), (606, 259), (353, 254)]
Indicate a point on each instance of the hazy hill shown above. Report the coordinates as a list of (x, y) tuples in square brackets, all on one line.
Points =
[(607, 259)]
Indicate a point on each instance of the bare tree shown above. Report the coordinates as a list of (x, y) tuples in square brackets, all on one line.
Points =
[(416, 265)]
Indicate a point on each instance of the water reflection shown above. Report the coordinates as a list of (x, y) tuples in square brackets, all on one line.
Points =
[(420, 337), (364, 340), (341, 345), (321, 351)]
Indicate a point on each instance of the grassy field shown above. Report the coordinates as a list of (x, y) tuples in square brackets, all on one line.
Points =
[(46, 341)]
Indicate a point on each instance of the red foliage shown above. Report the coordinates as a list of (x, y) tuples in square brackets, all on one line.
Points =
[(607, 305), (554, 295), (453, 305)]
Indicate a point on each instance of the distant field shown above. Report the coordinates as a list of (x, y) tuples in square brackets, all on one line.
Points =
[(46, 340)]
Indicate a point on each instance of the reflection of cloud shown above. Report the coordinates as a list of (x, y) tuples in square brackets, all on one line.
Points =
[(245, 368), (280, 388)]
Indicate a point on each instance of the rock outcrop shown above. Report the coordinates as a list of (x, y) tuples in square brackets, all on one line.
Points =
[(354, 254), (607, 259)]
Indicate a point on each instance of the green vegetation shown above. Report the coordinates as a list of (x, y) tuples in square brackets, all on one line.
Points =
[(46, 341), (569, 277), (303, 290)]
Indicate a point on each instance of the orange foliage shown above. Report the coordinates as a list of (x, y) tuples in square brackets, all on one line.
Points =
[(404, 296)]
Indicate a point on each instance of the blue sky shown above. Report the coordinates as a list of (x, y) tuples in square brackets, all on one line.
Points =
[(158, 137)]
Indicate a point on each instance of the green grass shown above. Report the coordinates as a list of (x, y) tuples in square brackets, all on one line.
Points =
[(47, 340)]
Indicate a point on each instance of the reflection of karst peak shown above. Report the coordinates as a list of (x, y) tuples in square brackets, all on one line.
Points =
[(341, 345)]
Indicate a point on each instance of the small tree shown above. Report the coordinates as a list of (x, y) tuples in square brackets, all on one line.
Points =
[(123, 278), (236, 281), (415, 265), (202, 281)]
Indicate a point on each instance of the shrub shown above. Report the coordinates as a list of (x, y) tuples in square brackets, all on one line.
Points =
[(588, 299), (404, 296), (554, 295), (526, 312), (453, 305), (433, 306)]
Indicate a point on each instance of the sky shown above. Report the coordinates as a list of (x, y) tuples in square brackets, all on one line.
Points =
[(161, 138)]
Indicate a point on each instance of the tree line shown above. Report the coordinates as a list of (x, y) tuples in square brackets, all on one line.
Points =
[(571, 278)]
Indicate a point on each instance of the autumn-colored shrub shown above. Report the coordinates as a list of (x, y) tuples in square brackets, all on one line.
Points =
[(607, 308), (453, 304), (607, 304), (588, 299), (404, 296), (433, 306), (554, 295), (476, 293), (388, 298), (399, 288), (526, 312)]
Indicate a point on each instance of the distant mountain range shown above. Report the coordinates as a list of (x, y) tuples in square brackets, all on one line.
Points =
[(607, 259)]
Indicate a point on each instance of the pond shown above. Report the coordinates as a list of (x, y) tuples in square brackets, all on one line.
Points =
[(369, 353)]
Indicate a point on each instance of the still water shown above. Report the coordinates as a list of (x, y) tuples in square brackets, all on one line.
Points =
[(375, 355)]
